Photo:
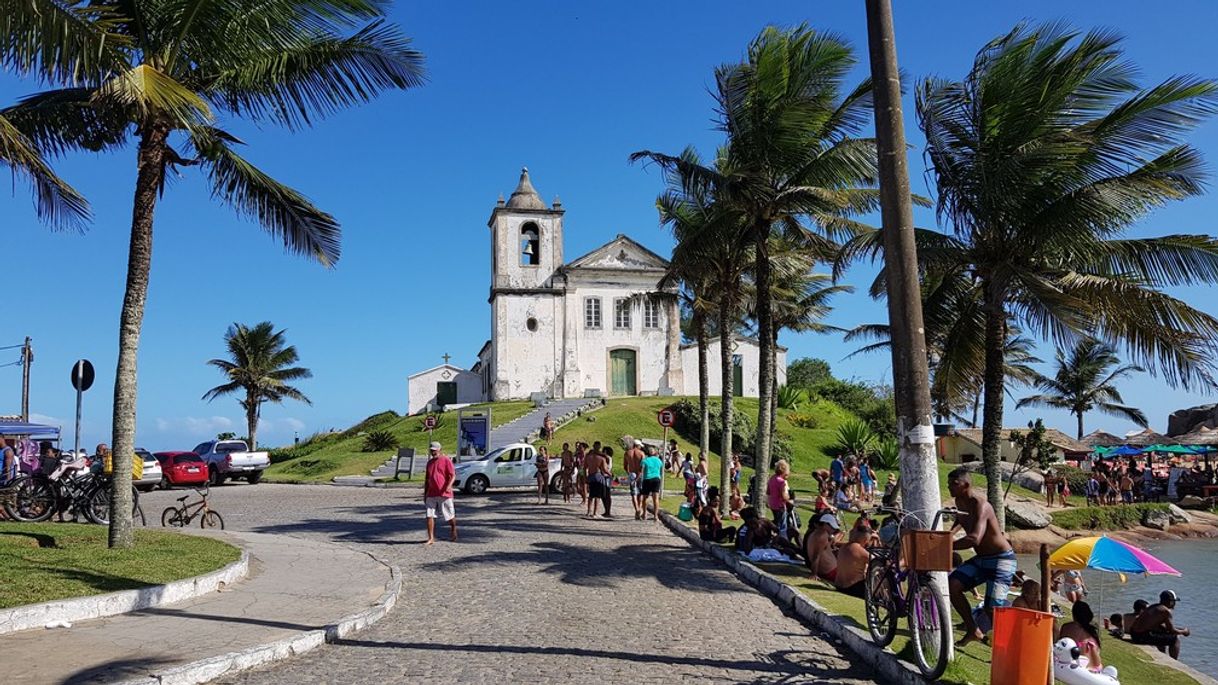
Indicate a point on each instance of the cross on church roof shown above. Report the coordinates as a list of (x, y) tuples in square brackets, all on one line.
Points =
[(446, 357)]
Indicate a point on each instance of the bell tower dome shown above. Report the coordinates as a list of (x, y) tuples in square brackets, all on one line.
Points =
[(526, 240)]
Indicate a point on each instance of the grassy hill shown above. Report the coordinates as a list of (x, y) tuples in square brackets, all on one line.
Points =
[(324, 456)]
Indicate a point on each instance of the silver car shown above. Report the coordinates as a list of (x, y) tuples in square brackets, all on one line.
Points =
[(152, 470)]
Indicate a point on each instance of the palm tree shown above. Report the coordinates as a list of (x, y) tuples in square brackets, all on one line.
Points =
[(708, 245), (261, 365), (1085, 380), (160, 71), (790, 163), (1043, 156)]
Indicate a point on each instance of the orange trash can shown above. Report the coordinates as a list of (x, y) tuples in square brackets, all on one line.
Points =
[(1023, 647)]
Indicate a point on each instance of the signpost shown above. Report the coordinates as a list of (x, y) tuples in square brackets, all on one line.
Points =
[(82, 380), (667, 418), (430, 424)]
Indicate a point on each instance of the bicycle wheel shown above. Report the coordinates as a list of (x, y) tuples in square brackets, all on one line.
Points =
[(97, 508), (880, 595), (172, 517), (211, 519), (931, 626), (33, 499)]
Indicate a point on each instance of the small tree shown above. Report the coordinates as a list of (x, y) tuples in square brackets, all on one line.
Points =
[(1034, 451)]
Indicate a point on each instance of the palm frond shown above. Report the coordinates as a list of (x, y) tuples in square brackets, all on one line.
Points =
[(283, 212), (55, 201)]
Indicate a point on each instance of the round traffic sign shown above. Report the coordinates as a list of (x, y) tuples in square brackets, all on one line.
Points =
[(667, 418), (430, 422), (82, 375)]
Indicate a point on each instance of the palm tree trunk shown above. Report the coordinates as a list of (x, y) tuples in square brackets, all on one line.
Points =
[(725, 409), (765, 370), (774, 394), (991, 422), (251, 419), (703, 329), (150, 175), (1080, 425)]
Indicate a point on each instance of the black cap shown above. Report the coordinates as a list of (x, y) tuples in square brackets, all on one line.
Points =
[(1168, 596)]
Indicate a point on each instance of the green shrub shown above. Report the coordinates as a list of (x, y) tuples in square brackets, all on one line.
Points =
[(789, 397), (887, 455), (872, 404), (1119, 517), (802, 420), (689, 426), (855, 437), (380, 441)]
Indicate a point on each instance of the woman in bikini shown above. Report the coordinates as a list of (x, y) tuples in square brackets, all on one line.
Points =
[(543, 473)]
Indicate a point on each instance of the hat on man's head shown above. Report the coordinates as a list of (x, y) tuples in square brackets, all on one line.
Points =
[(1168, 596), (830, 520), (638, 443), (434, 446)]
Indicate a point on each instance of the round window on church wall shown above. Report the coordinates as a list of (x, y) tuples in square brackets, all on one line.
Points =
[(531, 324)]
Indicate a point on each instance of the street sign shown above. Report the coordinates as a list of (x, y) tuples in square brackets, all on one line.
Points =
[(667, 418), (430, 422), (82, 375)]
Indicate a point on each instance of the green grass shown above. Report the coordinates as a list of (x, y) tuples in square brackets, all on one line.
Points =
[(40, 562), (972, 663), (343, 456), (1118, 517)]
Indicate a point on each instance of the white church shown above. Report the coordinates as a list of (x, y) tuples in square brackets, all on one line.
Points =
[(597, 326)]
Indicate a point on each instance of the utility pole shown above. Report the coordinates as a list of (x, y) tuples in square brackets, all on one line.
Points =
[(27, 358), (911, 375)]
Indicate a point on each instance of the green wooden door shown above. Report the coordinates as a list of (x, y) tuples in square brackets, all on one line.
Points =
[(446, 393), (737, 375), (622, 372)]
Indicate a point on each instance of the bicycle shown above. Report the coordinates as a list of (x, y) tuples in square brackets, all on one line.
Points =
[(182, 515), (920, 600), (39, 496)]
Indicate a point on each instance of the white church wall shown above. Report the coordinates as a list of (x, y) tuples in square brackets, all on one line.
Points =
[(526, 354), (595, 344), (421, 387), (751, 356)]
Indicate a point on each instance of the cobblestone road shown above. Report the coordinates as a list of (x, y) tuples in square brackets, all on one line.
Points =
[(534, 594)]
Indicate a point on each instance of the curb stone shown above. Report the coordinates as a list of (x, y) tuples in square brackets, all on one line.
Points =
[(882, 661), (211, 668), (122, 602)]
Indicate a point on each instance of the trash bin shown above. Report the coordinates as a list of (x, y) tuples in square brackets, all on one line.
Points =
[(1022, 647)]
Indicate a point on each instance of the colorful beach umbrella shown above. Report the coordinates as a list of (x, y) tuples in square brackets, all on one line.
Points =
[(1107, 554)]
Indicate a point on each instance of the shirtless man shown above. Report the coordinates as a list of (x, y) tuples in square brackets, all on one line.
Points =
[(633, 463), (599, 475), (818, 546), (852, 560), (994, 564), (568, 472), (1154, 626)]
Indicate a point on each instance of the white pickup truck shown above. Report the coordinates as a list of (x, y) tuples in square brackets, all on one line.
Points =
[(232, 459), (508, 466)]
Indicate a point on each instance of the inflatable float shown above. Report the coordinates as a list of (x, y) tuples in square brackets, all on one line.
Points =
[(1070, 666)]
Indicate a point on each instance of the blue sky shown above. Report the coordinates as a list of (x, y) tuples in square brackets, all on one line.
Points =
[(568, 89)]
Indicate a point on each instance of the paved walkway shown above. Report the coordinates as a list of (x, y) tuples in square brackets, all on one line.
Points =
[(293, 585), (535, 594)]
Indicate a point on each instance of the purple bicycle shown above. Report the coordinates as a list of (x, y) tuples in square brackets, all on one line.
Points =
[(891, 591)]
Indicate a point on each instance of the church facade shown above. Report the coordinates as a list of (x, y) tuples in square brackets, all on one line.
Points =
[(601, 325)]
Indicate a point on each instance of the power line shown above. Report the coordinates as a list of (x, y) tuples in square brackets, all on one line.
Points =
[(12, 347)]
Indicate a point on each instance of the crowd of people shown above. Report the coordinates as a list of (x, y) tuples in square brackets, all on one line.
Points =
[(836, 556), (1111, 482)]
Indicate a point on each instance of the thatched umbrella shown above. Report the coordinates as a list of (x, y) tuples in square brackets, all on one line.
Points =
[(1147, 438), (1101, 439)]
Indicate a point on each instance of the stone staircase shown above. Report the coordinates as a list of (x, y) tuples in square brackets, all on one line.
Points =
[(526, 428)]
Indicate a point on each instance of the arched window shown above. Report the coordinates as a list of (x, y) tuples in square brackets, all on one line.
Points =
[(530, 245)]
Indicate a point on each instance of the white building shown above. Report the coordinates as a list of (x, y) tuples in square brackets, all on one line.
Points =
[(599, 325)]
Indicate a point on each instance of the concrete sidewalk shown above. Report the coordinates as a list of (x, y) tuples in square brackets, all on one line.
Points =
[(295, 588)]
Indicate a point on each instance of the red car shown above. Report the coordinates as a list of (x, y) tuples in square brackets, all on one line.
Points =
[(181, 468)]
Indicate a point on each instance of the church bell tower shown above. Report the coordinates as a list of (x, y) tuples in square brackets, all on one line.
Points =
[(526, 305)]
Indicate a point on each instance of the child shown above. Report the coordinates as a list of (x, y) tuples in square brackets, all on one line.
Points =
[(1029, 596)]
